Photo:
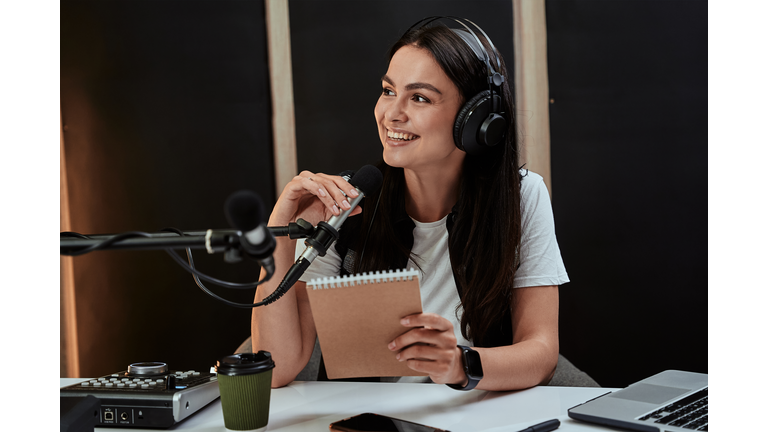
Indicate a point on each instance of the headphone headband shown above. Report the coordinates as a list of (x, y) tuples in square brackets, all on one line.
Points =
[(494, 77)]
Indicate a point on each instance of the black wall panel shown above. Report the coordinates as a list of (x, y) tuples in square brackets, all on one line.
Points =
[(628, 82), (166, 111), (339, 50)]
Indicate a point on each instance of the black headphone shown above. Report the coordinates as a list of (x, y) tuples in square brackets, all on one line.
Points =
[(479, 124)]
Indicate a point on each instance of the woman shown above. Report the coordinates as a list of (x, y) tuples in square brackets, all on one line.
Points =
[(479, 228)]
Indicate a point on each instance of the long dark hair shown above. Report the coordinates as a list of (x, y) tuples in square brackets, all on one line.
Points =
[(485, 236)]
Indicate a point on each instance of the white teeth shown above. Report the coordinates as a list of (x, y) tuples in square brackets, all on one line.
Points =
[(401, 136)]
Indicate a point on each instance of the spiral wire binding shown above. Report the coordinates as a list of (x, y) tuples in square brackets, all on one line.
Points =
[(364, 279)]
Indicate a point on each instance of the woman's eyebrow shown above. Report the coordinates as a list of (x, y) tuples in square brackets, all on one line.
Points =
[(413, 86)]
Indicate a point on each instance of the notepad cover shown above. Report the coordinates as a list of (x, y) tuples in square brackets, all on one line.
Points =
[(357, 319)]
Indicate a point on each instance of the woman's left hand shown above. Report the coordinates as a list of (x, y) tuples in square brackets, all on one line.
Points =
[(430, 347)]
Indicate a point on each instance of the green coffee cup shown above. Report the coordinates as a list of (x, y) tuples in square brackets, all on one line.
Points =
[(245, 382)]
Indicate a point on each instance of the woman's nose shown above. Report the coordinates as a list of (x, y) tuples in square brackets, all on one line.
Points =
[(395, 111)]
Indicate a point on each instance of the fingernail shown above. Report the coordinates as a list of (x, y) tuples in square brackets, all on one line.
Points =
[(335, 210), (321, 192), (405, 321), (397, 356), (353, 193), (392, 345), (345, 204)]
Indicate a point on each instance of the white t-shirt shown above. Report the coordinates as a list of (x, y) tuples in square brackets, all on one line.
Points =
[(540, 260)]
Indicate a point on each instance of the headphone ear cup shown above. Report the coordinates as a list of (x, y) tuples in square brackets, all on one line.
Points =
[(477, 128), (461, 119), (492, 130)]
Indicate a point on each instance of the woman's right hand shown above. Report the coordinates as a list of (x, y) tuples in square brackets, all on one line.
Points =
[(313, 197)]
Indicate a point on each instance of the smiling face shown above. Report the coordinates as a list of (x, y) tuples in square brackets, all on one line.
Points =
[(416, 111)]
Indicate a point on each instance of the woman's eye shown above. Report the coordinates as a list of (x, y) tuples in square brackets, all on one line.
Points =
[(420, 98), (387, 92)]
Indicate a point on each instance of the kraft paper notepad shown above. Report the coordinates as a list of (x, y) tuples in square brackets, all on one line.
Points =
[(356, 317)]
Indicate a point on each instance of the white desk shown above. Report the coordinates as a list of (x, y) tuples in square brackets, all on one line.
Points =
[(312, 406)]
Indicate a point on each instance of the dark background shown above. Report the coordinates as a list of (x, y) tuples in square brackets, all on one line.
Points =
[(167, 111), (629, 175)]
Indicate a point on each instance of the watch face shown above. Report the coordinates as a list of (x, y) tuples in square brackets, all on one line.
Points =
[(474, 366)]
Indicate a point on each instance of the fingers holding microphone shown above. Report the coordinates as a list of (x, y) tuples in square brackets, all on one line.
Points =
[(301, 197), (314, 197), (331, 190)]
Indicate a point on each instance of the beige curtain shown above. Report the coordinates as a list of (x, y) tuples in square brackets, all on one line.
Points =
[(532, 81), (281, 83), (69, 363)]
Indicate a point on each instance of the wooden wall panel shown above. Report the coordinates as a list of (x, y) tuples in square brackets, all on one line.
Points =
[(281, 84), (532, 85)]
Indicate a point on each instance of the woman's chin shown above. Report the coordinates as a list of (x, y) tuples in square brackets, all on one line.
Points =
[(390, 159), (395, 159)]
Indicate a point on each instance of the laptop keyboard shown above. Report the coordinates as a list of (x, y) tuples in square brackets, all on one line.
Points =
[(688, 413)]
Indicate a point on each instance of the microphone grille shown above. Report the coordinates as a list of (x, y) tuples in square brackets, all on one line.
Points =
[(244, 210), (368, 179)]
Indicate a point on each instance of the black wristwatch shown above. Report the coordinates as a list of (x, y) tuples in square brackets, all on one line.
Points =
[(473, 368)]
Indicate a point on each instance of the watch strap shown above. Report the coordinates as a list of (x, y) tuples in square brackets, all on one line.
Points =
[(471, 382)]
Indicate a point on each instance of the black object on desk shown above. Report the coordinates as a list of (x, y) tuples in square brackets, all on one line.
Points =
[(546, 426), (79, 414), (147, 395), (369, 422)]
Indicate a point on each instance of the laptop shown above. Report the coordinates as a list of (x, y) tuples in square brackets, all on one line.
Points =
[(672, 401)]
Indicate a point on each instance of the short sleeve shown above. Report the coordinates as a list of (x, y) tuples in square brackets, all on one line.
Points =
[(325, 266), (540, 261)]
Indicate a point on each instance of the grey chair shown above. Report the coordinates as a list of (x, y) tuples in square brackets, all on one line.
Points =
[(566, 374)]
